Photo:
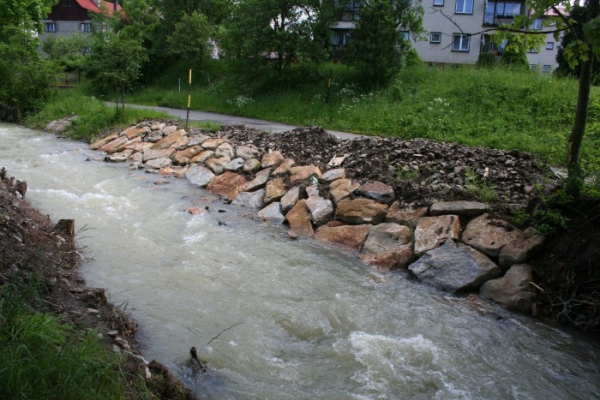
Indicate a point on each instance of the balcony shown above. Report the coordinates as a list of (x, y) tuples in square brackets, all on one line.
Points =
[(497, 12)]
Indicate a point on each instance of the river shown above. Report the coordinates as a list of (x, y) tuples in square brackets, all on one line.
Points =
[(314, 322)]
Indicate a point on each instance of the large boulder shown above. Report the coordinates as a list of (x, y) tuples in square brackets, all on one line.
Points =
[(409, 217), (489, 235), (101, 142), (228, 185), (432, 232), (133, 132), (199, 175), (235, 165), (521, 248), (212, 144), (225, 150), (202, 157), (157, 163), (350, 236), (455, 268), (151, 154), (113, 145), (299, 219), (512, 290), (360, 211), (259, 181)]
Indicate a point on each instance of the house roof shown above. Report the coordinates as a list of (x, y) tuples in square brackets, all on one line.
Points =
[(90, 6)]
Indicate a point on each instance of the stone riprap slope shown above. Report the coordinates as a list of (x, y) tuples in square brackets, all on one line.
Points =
[(348, 193)]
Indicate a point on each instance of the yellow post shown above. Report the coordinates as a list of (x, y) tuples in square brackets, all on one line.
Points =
[(189, 99)]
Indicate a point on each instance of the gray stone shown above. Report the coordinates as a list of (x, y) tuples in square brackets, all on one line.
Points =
[(333, 175), (290, 199), (321, 210), (259, 181), (199, 175), (197, 140), (378, 191), (521, 248), (225, 150), (247, 152), (250, 166), (512, 290), (158, 163), (454, 268), (466, 208), (253, 200), (234, 165), (217, 165), (272, 213)]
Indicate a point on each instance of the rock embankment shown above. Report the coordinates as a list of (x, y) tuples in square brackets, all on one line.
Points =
[(388, 200)]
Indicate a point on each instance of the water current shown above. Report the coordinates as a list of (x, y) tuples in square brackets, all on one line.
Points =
[(315, 322)]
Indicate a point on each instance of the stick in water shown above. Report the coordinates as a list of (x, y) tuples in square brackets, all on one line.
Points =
[(224, 330)]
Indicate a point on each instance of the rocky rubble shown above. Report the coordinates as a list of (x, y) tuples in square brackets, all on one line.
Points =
[(351, 193)]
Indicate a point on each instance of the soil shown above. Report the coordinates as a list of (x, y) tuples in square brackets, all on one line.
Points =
[(32, 245)]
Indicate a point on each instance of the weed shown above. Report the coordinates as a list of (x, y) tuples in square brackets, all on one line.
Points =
[(407, 174), (479, 187)]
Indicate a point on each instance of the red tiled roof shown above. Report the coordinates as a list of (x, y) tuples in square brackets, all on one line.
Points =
[(90, 6)]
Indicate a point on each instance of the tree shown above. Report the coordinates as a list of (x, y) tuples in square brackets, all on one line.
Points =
[(115, 61), (377, 47), (578, 15), (191, 37), (274, 34), (68, 52), (514, 55), (25, 76)]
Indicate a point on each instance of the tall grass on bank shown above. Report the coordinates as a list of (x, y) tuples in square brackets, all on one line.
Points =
[(495, 108), (40, 358), (93, 115)]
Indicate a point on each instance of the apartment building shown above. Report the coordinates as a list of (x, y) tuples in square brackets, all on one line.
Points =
[(457, 31)]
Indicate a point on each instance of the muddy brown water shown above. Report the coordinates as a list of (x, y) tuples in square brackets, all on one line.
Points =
[(316, 323)]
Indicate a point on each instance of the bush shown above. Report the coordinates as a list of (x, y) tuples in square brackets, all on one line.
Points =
[(486, 60)]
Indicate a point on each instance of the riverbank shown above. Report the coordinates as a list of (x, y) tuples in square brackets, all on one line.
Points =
[(59, 338), (282, 176)]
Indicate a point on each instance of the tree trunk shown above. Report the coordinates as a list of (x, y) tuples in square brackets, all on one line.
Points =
[(575, 179), (123, 97), (117, 97)]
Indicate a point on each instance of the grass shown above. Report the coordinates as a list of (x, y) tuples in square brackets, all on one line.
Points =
[(93, 115), (493, 108), (40, 358)]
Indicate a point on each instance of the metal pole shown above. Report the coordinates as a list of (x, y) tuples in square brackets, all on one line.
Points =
[(189, 100), (329, 86)]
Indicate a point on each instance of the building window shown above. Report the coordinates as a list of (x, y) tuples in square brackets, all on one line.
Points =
[(438, 3), (86, 27), (340, 38), (533, 67), (50, 26), (406, 35), (533, 50), (549, 45), (464, 7), (536, 25), (67, 4), (460, 42), (435, 37), (546, 68), (489, 46), (500, 9)]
